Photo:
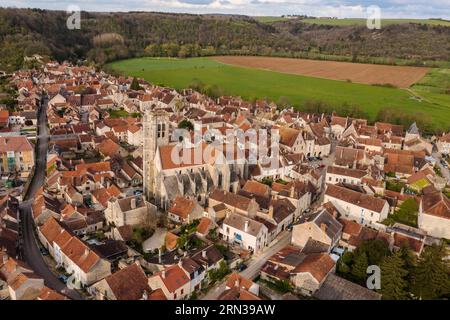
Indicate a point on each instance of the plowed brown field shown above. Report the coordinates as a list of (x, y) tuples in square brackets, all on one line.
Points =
[(402, 77)]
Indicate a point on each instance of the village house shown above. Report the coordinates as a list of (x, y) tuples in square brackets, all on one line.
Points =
[(184, 211), (17, 154), (21, 282), (306, 272), (129, 283), (434, 215), (321, 232), (133, 210), (249, 234), (173, 281), (83, 263), (363, 208), (337, 175), (443, 143)]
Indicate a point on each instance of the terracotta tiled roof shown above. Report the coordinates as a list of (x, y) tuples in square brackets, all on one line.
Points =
[(16, 144), (230, 199), (182, 207), (176, 157), (288, 136), (319, 265), (80, 254), (204, 225), (350, 227), (130, 283), (171, 241), (354, 173), (173, 278), (414, 244), (360, 199), (256, 187), (436, 204)]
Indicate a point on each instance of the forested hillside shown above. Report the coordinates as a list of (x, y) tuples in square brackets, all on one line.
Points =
[(110, 36)]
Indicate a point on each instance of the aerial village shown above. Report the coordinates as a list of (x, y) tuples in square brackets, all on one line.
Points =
[(89, 183)]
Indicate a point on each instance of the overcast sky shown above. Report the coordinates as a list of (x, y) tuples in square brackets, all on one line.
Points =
[(337, 8)]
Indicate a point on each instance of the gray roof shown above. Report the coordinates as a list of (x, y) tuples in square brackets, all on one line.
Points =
[(333, 228), (171, 185), (238, 222), (413, 129), (337, 288)]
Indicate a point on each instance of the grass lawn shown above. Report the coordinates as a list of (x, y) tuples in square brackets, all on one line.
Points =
[(349, 21), (434, 87), (252, 83), (407, 214)]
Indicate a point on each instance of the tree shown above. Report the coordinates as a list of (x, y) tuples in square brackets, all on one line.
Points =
[(218, 274), (186, 124), (135, 85), (283, 103), (375, 251), (359, 268), (431, 276), (153, 50), (393, 273)]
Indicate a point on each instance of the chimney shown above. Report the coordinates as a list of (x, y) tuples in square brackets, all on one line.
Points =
[(133, 203), (180, 263), (204, 254), (4, 256), (159, 256), (271, 211), (323, 227), (292, 192), (246, 226), (236, 284), (163, 274)]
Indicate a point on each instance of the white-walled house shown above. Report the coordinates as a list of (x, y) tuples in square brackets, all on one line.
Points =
[(173, 281), (83, 263), (363, 208), (248, 233), (434, 215), (443, 143), (336, 175)]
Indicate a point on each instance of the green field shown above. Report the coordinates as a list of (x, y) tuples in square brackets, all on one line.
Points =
[(252, 83), (355, 21)]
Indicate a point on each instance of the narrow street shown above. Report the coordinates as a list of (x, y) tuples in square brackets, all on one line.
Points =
[(445, 172), (255, 264), (29, 243)]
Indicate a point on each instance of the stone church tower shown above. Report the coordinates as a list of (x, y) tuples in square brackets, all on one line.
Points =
[(156, 133)]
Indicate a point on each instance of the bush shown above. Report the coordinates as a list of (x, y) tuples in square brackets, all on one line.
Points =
[(218, 274)]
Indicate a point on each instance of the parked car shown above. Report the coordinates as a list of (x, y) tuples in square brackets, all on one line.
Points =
[(63, 278), (44, 251), (242, 267)]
